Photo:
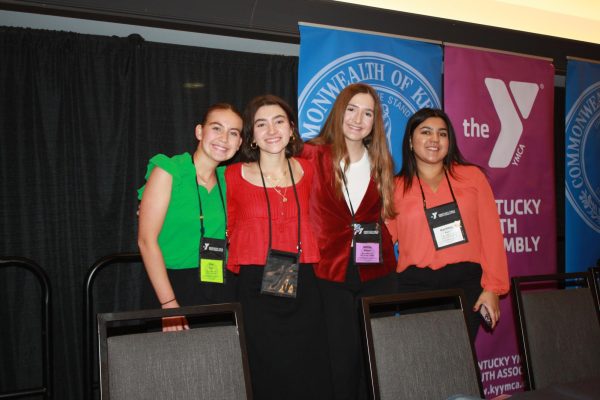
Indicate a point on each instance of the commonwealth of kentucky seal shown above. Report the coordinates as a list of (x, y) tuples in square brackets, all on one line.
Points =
[(582, 175), (401, 88)]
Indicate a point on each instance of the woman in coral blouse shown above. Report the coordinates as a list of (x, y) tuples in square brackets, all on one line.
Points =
[(272, 248), (447, 227), (352, 194)]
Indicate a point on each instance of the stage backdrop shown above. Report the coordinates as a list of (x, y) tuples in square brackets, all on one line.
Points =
[(582, 165), (405, 73), (501, 106)]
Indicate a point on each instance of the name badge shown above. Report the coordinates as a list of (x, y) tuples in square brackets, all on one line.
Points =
[(445, 223), (367, 243), (212, 260)]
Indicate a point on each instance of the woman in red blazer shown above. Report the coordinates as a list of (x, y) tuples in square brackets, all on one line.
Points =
[(352, 193)]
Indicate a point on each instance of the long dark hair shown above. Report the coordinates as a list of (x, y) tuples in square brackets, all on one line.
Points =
[(409, 162), (252, 154)]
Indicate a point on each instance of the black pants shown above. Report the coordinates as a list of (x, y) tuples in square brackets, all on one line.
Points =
[(189, 291), (463, 275), (341, 305)]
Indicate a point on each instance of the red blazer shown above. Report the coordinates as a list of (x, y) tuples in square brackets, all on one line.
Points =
[(331, 219)]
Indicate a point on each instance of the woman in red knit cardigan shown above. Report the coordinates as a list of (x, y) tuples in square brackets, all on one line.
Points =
[(272, 247)]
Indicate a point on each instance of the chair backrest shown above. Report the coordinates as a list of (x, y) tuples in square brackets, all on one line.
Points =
[(45, 389), (559, 328), (90, 308), (421, 355), (208, 361)]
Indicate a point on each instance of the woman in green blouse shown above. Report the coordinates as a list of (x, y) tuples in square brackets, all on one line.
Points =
[(182, 218)]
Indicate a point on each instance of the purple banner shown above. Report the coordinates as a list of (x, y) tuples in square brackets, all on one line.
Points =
[(501, 106)]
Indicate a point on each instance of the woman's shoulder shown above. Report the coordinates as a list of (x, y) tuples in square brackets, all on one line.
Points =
[(468, 174), (304, 163), (307, 167), (311, 150), (172, 165), (232, 170), (176, 166), (399, 191)]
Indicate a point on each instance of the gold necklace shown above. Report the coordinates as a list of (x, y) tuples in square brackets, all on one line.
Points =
[(275, 182), (283, 195)]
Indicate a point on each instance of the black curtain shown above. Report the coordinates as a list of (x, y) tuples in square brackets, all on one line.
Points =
[(80, 116)]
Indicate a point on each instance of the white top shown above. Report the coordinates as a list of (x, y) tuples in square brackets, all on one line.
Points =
[(358, 176)]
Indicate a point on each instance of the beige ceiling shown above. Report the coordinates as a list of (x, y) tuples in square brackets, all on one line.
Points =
[(572, 19)]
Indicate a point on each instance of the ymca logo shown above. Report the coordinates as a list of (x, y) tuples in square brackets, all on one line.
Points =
[(434, 215), (511, 122), (358, 229)]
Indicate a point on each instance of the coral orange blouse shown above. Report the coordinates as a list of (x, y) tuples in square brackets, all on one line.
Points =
[(480, 218)]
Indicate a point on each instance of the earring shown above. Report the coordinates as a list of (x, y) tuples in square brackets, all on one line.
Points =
[(253, 145), (410, 145), (292, 138)]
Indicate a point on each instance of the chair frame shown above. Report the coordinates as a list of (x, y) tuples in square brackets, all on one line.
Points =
[(105, 320), (89, 317), (46, 326), (403, 298), (521, 326), (595, 273)]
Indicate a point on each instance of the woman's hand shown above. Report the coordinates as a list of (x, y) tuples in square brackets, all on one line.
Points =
[(492, 303), (177, 323)]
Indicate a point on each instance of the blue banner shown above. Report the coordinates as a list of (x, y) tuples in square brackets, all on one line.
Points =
[(582, 165), (407, 74)]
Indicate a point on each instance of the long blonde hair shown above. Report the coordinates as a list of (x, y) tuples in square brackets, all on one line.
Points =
[(382, 166)]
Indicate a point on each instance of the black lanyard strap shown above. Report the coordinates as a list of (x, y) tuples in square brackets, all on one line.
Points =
[(349, 201), (299, 245), (423, 193), (200, 202), (353, 223)]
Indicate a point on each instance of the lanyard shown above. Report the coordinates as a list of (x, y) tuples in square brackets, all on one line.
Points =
[(445, 222), (299, 245), (200, 204), (349, 201), (423, 193)]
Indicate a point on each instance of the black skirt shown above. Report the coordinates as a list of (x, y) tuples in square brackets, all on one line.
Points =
[(286, 338)]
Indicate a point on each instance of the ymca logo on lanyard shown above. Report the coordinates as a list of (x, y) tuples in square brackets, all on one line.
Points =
[(445, 223)]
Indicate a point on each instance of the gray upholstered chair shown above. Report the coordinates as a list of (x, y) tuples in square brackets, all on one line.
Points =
[(419, 354), (559, 328), (207, 361)]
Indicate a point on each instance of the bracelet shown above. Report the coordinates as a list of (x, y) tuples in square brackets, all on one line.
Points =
[(167, 302)]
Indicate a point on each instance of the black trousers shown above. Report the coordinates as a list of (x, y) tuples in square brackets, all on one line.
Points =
[(190, 291), (463, 275), (341, 305)]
